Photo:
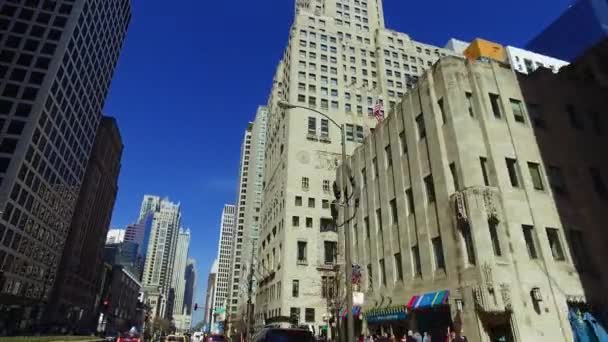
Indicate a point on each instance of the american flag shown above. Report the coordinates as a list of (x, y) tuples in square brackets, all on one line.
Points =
[(378, 111)]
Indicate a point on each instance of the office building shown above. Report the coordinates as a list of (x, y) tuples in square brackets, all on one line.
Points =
[(580, 27), (179, 278), (124, 254), (340, 60), (189, 292), (456, 224), (523, 61), (224, 257), (115, 235), (160, 258), (208, 318), (139, 234), (77, 279), (568, 114), (119, 304), (49, 120)]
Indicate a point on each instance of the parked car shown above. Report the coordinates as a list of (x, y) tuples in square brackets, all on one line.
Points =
[(283, 335)]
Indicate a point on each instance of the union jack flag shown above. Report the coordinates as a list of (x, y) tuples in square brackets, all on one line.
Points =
[(378, 111)]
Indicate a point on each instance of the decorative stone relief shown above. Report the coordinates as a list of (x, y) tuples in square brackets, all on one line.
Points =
[(461, 209), (488, 200), (327, 161), (505, 291)]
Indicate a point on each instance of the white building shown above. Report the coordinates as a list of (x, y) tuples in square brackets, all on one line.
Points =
[(340, 60), (179, 280), (160, 257), (250, 203), (521, 60), (222, 282), (208, 318), (115, 236)]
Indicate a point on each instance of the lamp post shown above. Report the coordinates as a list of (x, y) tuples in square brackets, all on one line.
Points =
[(350, 323)]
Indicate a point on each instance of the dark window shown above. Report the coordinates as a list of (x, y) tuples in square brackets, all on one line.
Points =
[(430, 188), (327, 225), (18, 75), (10, 90), (442, 111), (529, 238), (494, 236), (394, 214), (454, 176), (557, 181), (370, 277), (469, 99), (311, 202), (309, 222), (484, 170), (410, 201), (598, 183), (309, 315), (8, 145), (403, 142), (537, 180), (4, 162), (596, 121), (575, 120), (294, 314), (398, 267), (301, 251), (298, 202), (375, 164), (512, 169), (416, 259), (331, 251), (382, 272), (555, 244), (536, 115), (495, 102), (420, 125), (580, 253), (438, 253), (518, 111), (295, 221), (389, 157), (295, 288), (15, 127)]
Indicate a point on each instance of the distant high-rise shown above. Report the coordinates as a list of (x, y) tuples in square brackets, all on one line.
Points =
[(179, 278), (158, 267), (210, 295), (224, 257), (583, 25), (115, 236), (190, 286), (57, 59), (78, 280)]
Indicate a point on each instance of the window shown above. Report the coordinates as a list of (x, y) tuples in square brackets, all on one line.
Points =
[(382, 272), (309, 222), (394, 214), (536, 117), (359, 134), (438, 253), (311, 202), (324, 128), (327, 225), (495, 102), (350, 132), (484, 170), (298, 201), (580, 253), (537, 180), (370, 277), (325, 204), (512, 169), (556, 180), (518, 111), (301, 251), (312, 126), (598, 182), (529, 238), (326, 187), (430, 188), (398, 267), (416, 259), (295, 288), (575, 119), (309, 315), (410, 201), (375, 164), (403, 142), (294, 314), (305, 184), (469, 100), (389, 157), (441, 111), (295, 221), (454, 176), (555, 244), (492, 224), (420, 125), (331, 252)]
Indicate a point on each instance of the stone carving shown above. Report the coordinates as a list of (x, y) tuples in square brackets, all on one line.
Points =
[(327, 161), (505, 292), (488, 200)]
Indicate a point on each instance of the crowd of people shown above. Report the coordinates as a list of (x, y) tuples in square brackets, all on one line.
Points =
[(414, 336)]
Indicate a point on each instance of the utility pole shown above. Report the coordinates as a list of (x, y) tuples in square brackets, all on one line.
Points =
[(249, 295), (350, 323)]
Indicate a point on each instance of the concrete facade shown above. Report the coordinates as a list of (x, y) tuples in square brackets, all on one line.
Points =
[(571, 128), (210, 294), (43, 163), (341, 60), (224, 258), (160, 257), (454, 196)]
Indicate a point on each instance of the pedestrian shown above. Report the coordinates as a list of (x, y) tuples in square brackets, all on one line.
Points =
[(417, 337), (361, 338), (392, 338), (426, 337), (410, 336)]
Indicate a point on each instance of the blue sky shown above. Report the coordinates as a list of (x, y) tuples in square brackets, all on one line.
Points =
[(192, 74)]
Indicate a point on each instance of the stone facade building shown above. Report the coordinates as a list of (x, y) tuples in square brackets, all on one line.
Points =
[(456, 224)]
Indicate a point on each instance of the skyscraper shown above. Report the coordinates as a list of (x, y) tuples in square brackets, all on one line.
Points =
[(115, 235), (190, 290), (78, 276), (57, 59), (139, 234), (250, 202), (162, 245), (342, 61), (210, 295), (179, 278), (224, 257)]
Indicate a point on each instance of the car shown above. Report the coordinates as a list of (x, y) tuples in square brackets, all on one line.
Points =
[(215, 338), (197, 336), (273, 334), (174, 338), (129, 337)]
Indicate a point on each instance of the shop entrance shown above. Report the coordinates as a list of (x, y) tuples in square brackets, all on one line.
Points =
[(498, 327), (434, 321)]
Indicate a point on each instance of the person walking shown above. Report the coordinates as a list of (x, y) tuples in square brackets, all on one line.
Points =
[(426, 337)]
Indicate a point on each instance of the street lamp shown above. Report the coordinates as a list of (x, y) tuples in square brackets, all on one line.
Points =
[(350, 324)]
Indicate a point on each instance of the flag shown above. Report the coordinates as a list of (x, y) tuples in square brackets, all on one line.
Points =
[(378, 111)]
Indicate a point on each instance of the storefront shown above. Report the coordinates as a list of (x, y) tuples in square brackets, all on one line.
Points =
[(430, 313), (387, 320)]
